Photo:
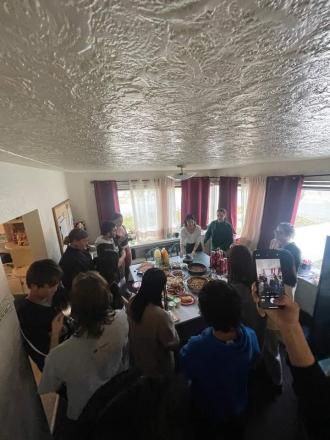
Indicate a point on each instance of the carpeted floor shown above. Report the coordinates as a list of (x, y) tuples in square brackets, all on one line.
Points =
[(271, 416)]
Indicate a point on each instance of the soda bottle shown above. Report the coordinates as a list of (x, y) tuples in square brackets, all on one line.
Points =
[(158, 257)]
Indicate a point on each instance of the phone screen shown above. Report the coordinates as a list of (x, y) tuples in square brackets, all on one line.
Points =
[(269, 280)]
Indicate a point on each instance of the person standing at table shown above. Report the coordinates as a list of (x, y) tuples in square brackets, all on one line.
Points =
[(220, 231), (76, 257), (191, 237), (122, 239), (109, 236), (284, 234), (152, 335)]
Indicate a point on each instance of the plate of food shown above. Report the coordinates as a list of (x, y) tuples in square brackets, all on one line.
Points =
[(144, 267), (177, 273), (187, 300), (197, 269), (175, 285), (195, 284)]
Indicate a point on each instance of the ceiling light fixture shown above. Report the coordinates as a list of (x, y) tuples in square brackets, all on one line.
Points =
[(179, 177)]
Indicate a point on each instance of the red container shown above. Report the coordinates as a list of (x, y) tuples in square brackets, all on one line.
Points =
[(215, 258)]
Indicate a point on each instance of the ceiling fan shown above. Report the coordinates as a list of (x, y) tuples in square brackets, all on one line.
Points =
[(179, 177)]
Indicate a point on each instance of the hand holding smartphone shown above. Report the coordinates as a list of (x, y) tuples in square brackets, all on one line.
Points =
[(269, 277)]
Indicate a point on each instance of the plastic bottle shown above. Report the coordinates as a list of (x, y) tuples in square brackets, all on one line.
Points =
[(158, 257), (165, 258)]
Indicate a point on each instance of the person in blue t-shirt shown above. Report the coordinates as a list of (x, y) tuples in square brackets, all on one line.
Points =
[(218, 361)]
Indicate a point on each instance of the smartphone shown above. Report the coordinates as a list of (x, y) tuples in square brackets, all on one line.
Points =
[(269, 277)]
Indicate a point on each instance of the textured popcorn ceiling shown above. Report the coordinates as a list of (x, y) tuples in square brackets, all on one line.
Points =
[(150, 84)]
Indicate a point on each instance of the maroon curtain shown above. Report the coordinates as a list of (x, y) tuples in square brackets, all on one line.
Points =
[(106, 195), (228, 198), (195, 199), (281, 205)]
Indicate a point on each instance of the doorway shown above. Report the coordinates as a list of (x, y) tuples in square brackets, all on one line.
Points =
[(21, 243)]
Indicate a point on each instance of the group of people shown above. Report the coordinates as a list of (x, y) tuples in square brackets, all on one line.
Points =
[(220, 231), (106, 337)]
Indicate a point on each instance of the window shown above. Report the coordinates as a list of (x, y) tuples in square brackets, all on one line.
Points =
[(177, 224), (126, 209), (213, 201), (313, 224), (144, 215), (241, 204)]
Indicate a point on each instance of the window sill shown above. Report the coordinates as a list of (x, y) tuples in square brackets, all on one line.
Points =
[(153, 243)]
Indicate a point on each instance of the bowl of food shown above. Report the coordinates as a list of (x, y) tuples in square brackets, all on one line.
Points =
[(197, 269), (196, 284)]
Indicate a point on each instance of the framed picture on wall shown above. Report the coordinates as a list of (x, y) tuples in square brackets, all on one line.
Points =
[(63, 221)]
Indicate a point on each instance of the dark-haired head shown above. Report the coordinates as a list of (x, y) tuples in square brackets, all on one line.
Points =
[(240, 265), (221, 214), (284, 232), (90, 304), (189, 220), (108, 228), (107, 262), (117, 218), (288, 268), (220, 306), (77, 238), (42, 273), (152, 287)]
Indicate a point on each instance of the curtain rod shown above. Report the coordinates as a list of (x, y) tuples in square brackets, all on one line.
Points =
[(215, 177)]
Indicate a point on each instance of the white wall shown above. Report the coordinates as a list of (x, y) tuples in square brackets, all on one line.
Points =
[(24, 189), (35, 235), (21, 413), (82, 197)]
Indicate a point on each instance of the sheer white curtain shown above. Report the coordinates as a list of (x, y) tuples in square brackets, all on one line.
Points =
[(167, 205), (256, 187), (153, 203), (147, 209), (242, 198)]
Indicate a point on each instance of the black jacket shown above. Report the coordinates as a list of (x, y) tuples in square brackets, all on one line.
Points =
[(74, 261), (312, 388)]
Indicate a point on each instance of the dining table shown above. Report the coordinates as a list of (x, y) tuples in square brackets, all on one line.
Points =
[(188, 320)]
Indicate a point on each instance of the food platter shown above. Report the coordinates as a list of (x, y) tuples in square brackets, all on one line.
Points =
[(175, 285), (196, 283), (187, 300), (197, 269)]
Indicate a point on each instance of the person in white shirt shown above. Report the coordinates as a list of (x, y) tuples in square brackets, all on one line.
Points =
[(97, 351), (191, 237)]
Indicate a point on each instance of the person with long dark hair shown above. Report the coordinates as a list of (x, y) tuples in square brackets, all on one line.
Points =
[(97, 351), (152, 332), (241, 275)]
